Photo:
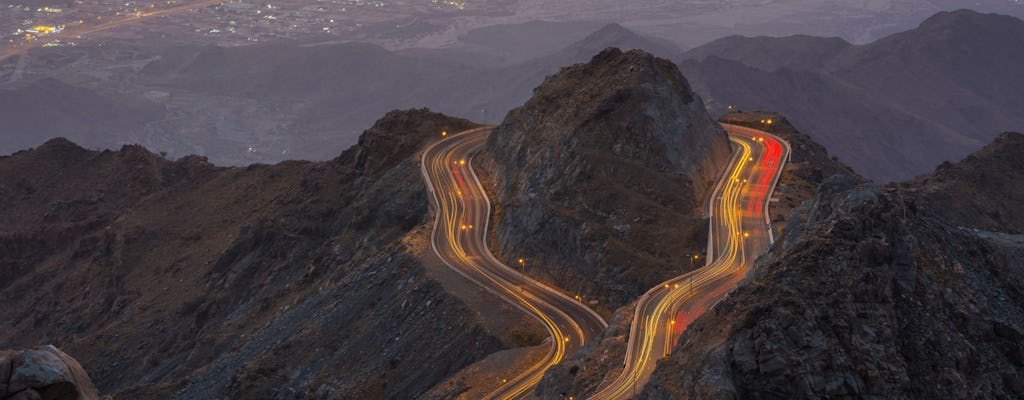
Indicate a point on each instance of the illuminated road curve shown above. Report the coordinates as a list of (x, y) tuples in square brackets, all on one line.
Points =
[(739, 232), (459, 238)]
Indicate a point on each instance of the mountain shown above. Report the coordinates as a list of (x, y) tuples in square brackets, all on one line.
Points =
[(526, 41), (180, 279), (599, 180), (49, 108), (798, 52), (872, 292), (891, 109), (271, 102), (613, 35)]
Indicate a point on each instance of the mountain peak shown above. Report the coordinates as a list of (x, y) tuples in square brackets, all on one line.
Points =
[(615, 35), (982, 191), (963, 16), (396, 135), (613, 78), (620, 141), (613, 31)]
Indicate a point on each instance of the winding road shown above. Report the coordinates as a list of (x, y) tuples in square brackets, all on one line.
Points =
[(459, 238), (739, 231)]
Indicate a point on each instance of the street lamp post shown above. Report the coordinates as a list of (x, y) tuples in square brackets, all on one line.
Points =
[(522, 264)]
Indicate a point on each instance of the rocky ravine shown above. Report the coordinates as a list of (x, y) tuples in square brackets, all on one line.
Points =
[(187, 281), (600, 178), (874, 294)]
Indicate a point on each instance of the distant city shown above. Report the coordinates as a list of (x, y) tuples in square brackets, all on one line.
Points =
[(217, 22)]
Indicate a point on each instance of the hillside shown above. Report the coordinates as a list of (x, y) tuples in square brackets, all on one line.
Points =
[(50, 108), (180, 279), (594, 177), (891, 109), (962, 193), (870, 293)]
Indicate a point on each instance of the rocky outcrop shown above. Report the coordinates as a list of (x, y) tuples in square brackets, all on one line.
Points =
[(600, 178), (44, 372), (983, 191), (189, 281), (871, 294)]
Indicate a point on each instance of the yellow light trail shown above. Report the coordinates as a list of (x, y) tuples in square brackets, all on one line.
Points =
[(654, 321), (461, 202)]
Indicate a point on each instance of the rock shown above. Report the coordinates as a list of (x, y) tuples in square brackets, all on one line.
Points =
[(44, 372), (600, 179)]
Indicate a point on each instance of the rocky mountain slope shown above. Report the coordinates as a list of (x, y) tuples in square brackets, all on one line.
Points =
[(872, 293), (182, 280), (891, 109), (599, 179), (962, 193)]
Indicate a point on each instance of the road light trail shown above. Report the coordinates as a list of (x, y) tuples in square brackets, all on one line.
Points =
[(740, 230), (459, 238)]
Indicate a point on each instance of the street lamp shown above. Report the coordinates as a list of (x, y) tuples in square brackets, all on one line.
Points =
[(522, 264)]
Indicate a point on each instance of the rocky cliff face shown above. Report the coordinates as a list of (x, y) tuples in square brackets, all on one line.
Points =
[(873, 293), (44, 372), (600, 178), (188, 281)]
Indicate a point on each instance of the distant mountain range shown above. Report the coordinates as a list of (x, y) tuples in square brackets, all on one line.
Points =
[(891, 109)]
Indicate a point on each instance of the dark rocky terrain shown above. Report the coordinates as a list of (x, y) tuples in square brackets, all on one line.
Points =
[(962, 193), (179, 279), (873, 292), (599, 179), (891, 109), (43, 372)]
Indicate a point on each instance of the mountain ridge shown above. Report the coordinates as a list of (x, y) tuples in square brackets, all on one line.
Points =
[(893, 108)]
